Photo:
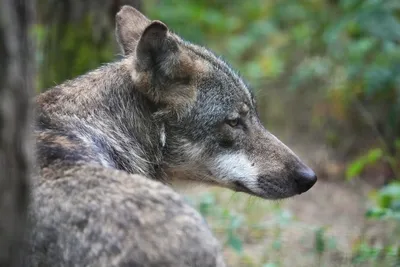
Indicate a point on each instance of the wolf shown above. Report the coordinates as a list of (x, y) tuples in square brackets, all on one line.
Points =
[(110, 144)]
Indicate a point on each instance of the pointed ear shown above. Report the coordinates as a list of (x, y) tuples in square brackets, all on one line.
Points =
[(165, 70), (155, 46), (130, 24)]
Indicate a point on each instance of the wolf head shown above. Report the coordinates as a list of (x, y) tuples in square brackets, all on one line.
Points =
[(211, 132)]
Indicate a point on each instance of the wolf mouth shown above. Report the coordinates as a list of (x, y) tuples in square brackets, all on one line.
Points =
[(240, 187)]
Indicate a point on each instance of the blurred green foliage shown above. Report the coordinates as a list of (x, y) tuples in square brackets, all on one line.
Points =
[(69, 45), (356, 167), (235, 222), (72, 39)]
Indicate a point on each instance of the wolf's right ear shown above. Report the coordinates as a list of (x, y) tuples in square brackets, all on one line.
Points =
[(155, 47), (164, 71), (130, 24)]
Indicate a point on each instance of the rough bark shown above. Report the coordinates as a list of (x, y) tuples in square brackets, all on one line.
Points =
[(16, 82)]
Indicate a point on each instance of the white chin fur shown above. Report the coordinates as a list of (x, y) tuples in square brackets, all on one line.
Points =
[(236, 167)]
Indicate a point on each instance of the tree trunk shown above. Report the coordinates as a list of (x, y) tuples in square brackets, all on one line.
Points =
[(16, 85)]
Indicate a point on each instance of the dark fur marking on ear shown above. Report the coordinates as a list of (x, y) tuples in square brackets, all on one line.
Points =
[(154, 47)]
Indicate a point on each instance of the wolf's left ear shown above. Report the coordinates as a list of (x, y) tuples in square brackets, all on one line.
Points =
[(130, 24)]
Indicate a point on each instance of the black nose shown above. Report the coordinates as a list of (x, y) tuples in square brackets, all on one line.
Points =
[(305, 179)]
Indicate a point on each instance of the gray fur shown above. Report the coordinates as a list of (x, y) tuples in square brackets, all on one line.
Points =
[(169, 111), (91, 216)]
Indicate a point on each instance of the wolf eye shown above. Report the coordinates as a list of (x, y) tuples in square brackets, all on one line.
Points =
[(233, 122)]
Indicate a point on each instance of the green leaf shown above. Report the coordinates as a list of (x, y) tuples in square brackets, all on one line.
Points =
[(235, 242), (377, 79), (206, 203), (285, 217), (374, 155), (392, 189), (332, 243), (320, 240), (355, 168), (395, 205), (384, 201), (375, 213), (277, 245), (236, 221), (380, 23)]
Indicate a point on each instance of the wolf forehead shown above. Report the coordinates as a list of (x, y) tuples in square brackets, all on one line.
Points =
[(225, 80), (216, 75)]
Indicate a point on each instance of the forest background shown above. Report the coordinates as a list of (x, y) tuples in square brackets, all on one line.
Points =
[(327, 78)]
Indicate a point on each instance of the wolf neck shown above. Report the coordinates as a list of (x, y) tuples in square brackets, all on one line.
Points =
[(101, 118)]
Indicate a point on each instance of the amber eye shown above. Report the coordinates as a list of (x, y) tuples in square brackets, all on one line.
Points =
[(233, 122)]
